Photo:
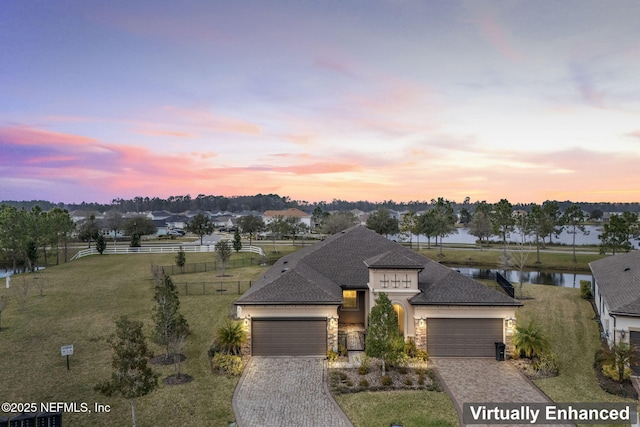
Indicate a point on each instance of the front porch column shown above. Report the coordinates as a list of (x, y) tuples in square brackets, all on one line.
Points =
[(246, 346), (332, 333), (420, 337), (509, 330)]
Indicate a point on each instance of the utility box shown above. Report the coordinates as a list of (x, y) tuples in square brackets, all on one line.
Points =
[(500, 348)]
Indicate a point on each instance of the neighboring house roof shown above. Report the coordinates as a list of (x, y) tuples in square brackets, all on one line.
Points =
[(287, 213), (618, 279), (319, 273)]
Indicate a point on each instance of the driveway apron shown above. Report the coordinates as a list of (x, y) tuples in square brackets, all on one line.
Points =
[(477, 380), (286, 391)]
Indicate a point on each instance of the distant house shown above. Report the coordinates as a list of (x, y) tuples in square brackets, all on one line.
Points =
[(305, 218), (320, 297), (616, 292)]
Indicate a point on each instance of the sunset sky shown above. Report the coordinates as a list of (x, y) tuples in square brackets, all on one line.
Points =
[(316, 100)]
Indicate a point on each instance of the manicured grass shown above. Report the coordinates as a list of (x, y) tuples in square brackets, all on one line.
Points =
[(408, 408), (569, 323), (551, 261), (81, 300)]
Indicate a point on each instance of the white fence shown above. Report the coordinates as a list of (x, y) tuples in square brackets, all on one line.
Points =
[(160, 250)]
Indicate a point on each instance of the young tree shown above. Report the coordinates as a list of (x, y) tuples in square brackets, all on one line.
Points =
[(383, 337), (200, 225), (408, 226), (114, 222), (251, 225), (618, 231), (574, 219), (428, 225), (237, 240), (622, 355), (502, 220), (168, 321), (58, 230), (536, 219), (277, 227), (552, 223), (382, 222), (518, 253), (138, 226), (445, 219), (181, 259), (131, 377), (101, 244), (223, 253), (89, 230), (480, 226), (294, 226)]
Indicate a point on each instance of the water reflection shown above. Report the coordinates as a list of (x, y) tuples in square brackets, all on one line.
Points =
[(568, 280)]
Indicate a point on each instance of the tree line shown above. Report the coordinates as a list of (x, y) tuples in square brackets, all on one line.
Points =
[(264, 202)]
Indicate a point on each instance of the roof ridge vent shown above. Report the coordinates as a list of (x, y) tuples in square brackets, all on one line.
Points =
[(627, 269)]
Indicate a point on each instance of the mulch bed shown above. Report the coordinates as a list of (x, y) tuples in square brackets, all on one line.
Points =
[(167, 359), (178, 379), (350, 381), (611, 386)]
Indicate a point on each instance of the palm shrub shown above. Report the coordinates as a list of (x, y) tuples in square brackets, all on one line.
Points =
[(231, 336), (529, 340), (622, 355), (585, 289)]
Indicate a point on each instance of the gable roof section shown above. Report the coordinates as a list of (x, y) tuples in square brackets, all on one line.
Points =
[(287, 213), (441, 285), (340, 262), (618, 278)]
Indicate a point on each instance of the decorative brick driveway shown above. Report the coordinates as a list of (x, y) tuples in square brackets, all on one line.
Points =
[(470, 380), (286, 391)]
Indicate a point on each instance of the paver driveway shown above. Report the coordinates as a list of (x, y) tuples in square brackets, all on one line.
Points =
[(286, 391), (470, 380)]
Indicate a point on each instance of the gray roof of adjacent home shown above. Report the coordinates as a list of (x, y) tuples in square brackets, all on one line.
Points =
[(618, 279), (318, 273)]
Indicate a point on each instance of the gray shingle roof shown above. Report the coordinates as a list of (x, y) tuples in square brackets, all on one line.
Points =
[(618, 279), (340, 262)]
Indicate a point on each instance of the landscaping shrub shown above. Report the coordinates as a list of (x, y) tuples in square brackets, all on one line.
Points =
[(332, 355), (408, 381), (387, 381), (342, 350), (421, 355), (365, 361), (363, 383), (228, 364), (546, 365), (410, 348), (231, 336), (403, 370), (612, 372), (585, 289), (529, 341)]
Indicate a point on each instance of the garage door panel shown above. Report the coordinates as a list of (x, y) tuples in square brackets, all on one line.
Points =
[(289, 337), (463, 337)]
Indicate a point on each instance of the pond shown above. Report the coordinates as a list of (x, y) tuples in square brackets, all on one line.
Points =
[(564, 238), (567, 280)]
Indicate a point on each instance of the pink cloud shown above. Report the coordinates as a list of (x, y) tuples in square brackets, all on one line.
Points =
[(177, 134), (208, 121)]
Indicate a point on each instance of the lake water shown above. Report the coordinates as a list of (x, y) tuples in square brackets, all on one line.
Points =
[(568, 280), (565, 238)]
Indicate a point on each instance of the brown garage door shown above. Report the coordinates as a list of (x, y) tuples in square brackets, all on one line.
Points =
[(289, 337), (463, 337)]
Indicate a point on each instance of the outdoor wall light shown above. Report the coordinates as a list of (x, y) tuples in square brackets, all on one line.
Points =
[(421, 323), (510, 323), (622, 333), (332, 321)]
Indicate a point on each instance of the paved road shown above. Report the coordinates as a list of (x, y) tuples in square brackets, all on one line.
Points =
[(286, 392)]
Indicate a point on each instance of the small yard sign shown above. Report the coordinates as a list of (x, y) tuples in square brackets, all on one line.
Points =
[(67, 350)]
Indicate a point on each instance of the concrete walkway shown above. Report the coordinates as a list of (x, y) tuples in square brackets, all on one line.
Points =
[(286, 391), (479, 380)]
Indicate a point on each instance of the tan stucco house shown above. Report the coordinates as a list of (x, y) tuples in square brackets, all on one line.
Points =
[(616, 293), (320, 297)]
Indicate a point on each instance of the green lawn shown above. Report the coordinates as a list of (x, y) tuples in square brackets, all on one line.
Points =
[(81, 300)]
